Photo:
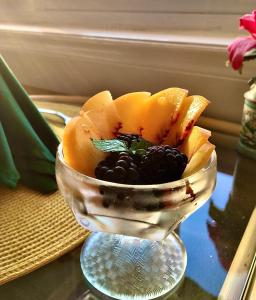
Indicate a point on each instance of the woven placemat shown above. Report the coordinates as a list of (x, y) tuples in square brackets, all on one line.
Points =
[(34, 230)]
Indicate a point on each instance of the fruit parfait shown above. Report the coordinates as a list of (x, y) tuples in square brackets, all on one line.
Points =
[(132, 169)]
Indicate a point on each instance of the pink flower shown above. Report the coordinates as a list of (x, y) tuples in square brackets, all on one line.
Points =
[(237, 50), (248, 22)]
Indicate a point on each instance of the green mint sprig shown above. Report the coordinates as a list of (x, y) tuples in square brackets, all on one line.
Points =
[(140, 147), (116, 145), (110, 145)]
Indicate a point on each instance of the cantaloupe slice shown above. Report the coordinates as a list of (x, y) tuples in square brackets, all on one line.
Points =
[(197, 137), (98, 101), (130, 108), (103, 114), (161, 113), (99, 118), (78, 150), (107, 121), (171, 138), (199, 159), (197, 106)]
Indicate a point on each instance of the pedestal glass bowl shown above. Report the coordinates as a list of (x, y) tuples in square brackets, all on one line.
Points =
[(133, 252)]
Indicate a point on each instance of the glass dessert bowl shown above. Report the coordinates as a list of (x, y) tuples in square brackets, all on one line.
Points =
[(133, 251)]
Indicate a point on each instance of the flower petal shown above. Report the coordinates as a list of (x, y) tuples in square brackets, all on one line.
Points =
[(248, 22), (237, 50)]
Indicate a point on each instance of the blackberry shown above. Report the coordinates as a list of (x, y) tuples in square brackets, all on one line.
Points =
[(119, 167), (161, 164), (129, 138)]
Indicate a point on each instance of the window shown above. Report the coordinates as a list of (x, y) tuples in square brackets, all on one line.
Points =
[(83, 46)]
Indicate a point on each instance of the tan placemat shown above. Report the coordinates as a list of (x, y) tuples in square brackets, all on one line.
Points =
[(34, 230)]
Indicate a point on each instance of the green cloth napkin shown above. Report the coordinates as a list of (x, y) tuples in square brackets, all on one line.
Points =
[(32, 143), (9, 175)]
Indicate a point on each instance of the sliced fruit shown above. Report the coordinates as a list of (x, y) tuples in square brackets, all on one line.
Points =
[(78, 150), (167, 117), (199, 159), (197, 137), (98, 101), (100, 120), (197, 106), (171, 137), (107, 121), (130, 108), (88, 124), (161, 113)]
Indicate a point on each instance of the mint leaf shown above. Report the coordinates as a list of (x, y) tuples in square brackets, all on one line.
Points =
[(140, 147), (110, 145), (139, 151), (116, 145)]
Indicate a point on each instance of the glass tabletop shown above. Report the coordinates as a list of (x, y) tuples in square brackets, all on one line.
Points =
[(217, 237)]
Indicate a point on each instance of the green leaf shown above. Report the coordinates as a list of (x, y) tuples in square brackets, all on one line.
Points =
[(140, 147), (110, 145), (139, 151)]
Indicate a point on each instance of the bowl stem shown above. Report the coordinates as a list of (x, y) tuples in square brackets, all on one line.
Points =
[(124, 267)]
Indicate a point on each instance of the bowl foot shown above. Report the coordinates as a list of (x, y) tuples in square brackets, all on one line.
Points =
[(125, 267)]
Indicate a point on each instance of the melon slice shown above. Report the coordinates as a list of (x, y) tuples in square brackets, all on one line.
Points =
[(98, 101), (100, 109), (106, 121), (78, 150), (197, 137), (197, 106), (99, 118), (130, 108), (171, 137), (199, 159), (161, 113)]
